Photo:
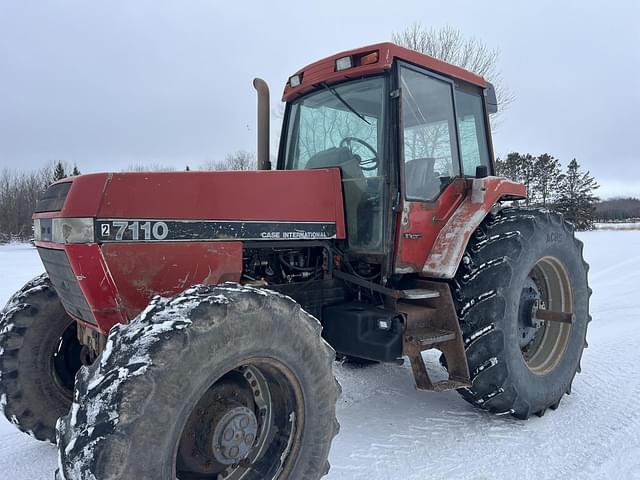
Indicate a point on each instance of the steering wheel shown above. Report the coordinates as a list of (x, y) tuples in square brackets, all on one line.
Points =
[(368, 165)]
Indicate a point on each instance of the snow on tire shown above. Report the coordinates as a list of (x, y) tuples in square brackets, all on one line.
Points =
[(232, 358), (520, 260)]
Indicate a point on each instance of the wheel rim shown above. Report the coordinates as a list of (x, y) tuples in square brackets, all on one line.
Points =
[(544, 342), (67, 360), (246, 426)]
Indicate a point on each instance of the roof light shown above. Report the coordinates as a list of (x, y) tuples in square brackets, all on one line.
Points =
[(369, 58), (344, 63), (295, 80)]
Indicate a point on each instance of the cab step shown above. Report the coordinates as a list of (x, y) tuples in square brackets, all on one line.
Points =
[(428, 337), (419, 294), (431, 322)]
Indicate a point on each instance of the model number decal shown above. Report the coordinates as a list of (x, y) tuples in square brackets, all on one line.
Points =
[(140, 230), (134, 230)]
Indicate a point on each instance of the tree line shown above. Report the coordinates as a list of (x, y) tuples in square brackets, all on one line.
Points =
[(570, 191), (618, 210), (20, 190), (19, 193)]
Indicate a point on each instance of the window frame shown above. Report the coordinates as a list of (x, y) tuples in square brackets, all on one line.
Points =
[(428, 73), (454, 84), (388, 170), (473, 90), (284, 150)]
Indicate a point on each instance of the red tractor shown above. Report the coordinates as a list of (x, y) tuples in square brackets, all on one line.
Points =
[(188, 323)]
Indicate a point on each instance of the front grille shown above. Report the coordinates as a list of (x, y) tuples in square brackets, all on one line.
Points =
[(66, 284)]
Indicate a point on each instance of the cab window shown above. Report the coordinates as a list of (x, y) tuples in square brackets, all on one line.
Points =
[(429, 135), (471, 130), (342, 126)]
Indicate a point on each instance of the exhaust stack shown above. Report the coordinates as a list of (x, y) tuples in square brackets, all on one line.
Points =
[(263, 123)]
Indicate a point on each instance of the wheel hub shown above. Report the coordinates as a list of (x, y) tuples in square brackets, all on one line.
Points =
[(234, 435), (530, 301)]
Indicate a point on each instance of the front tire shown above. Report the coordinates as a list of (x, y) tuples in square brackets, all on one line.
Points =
[(39, 357), (520, 260), (221, 382)]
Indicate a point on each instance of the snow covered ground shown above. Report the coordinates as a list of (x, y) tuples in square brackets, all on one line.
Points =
[(391, 431)]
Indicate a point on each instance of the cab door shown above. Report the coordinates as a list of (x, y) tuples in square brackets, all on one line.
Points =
[(432, 164)]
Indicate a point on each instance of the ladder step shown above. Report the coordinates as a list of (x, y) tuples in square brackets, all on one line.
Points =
[(445, 385), (419, 294), (431, 336)]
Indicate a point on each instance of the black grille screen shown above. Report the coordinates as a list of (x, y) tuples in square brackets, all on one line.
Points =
[(66, 283), (53, 198)]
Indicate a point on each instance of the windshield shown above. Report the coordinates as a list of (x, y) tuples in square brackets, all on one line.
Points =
[(342, 126), (337, 118)]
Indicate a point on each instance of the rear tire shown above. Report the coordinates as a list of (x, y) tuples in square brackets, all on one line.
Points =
[(39, 357), (171, 384), (516, 259)]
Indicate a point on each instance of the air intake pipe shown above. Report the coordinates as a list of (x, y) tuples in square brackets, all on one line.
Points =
[(263, 123)]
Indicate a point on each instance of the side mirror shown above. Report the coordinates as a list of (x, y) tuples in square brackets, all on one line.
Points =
[(482, 171), (492, 100)]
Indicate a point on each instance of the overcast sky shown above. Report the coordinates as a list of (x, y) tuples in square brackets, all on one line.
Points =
[(107, 84)]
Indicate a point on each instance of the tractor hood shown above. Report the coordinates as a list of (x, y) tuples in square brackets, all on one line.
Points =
[(110, 242), (196, 206)]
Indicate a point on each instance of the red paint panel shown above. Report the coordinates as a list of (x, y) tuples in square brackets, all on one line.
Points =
[(324, 70), (85, 195), (420, 224), (303, 195), (143, 270), (433, 237), (96, 284), (119, 279), (448, 249)]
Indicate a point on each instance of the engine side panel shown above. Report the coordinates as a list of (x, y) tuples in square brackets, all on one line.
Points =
[(102, 286), (143, 270)]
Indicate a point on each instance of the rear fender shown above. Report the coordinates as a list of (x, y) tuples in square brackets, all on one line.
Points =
[(484, 193)]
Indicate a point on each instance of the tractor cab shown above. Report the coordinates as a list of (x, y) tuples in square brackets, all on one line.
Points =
[(402, 127)]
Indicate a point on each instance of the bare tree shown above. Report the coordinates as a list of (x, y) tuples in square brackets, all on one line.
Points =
[(19, 193), (240, 160), (149, 167), (450, 45)]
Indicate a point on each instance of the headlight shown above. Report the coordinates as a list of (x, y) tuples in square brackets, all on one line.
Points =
[(64, 230), (344, 63)]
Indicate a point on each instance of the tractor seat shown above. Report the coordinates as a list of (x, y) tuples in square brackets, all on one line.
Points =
[(354, 183), (421, 181)]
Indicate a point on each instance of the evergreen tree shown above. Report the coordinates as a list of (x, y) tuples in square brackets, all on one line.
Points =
[(509, 167), (519, 168), (58, 172), (76, 171), (576, 199), (546, 179)]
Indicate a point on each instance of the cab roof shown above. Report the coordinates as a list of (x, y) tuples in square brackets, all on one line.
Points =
[(370, 60)]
